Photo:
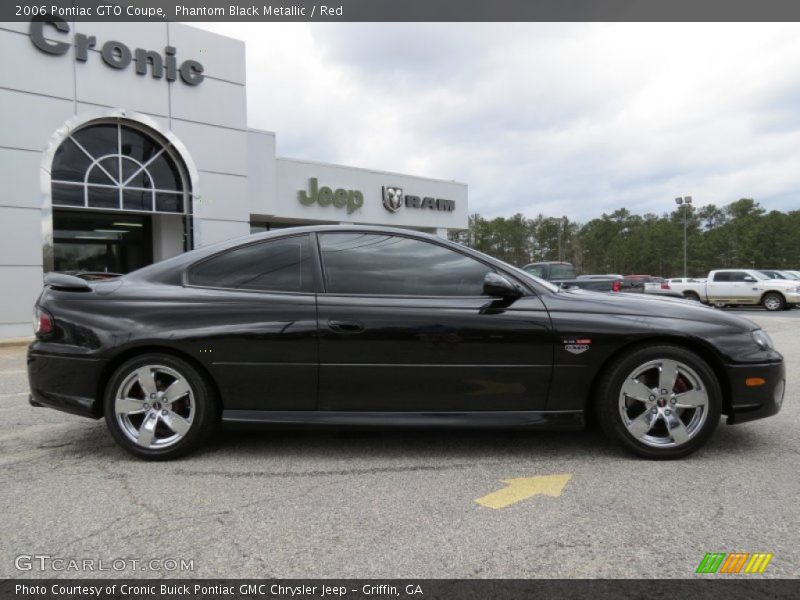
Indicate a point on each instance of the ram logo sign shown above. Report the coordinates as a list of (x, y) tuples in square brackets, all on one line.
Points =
[(392, 198)]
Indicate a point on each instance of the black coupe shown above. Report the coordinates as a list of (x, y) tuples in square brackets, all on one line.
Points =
[(342, 325)]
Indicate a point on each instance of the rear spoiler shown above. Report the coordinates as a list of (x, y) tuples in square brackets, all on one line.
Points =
[(60, 281)]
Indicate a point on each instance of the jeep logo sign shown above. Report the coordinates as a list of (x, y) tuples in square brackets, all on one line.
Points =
[(393, 199), (116, 54), (325, 196)]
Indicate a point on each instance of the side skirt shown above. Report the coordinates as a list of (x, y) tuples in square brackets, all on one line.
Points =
[(567, 420)]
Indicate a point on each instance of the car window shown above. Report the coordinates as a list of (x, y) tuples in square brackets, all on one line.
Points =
[(366, 263), (739, 276), (536, 270), (562, 272), (282, 265), (722, 276)]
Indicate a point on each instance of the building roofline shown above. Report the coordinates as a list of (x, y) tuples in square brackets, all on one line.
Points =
[(257, 130)]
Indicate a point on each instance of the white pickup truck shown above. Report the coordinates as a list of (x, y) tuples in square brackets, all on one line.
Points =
[(731, 287)]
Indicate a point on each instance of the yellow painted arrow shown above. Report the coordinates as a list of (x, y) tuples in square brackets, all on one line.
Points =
[(525, 487)]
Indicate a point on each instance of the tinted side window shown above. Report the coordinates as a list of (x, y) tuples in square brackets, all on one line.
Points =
[(359, 263), (282, 265), (738, 276), (722, 276)]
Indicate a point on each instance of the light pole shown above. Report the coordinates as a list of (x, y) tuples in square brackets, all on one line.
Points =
[(685, 201), (561, 223)]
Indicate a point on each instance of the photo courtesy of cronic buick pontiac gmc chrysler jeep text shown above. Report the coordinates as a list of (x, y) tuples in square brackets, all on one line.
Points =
[(341, 325)]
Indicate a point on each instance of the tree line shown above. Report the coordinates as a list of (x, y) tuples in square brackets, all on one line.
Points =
[(739, 235)]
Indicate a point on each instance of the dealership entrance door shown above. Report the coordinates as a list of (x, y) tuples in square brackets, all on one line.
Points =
[(101, 242)]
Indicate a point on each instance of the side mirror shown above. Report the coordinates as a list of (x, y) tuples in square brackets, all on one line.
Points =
[(497, 286), (750, 279)]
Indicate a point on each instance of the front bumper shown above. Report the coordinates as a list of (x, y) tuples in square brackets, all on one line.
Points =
[(748, 403), (792, 298), (67, 383)]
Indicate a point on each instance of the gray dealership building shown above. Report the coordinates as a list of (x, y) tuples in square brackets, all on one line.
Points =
[(127, 143)]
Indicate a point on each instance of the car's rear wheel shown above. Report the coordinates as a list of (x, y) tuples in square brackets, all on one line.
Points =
[(692, 296), (660, 402), (159, 407), (773, 301)]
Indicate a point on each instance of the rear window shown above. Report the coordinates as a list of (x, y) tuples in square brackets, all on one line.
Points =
[(562, 272)]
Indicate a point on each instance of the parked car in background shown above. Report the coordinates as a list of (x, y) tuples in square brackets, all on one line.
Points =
[(563, 275), (792, 274), (727, 287), (650, 282), (684, 286), (551, 270), (773, 274)]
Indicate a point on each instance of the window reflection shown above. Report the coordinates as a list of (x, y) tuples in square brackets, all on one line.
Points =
[(367, 263)]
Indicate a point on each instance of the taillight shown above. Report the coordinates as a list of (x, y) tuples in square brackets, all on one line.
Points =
[(665, 286), (616, 286), (43, 322)]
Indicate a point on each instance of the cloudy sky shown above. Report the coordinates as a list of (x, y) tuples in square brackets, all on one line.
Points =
[(562, 119)]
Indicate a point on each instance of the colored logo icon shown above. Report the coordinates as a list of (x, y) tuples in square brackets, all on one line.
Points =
[(734, 563)]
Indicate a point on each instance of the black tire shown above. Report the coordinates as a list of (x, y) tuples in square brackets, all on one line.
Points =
[(198, 407), (692, 296), (773, 301), (609, 393)]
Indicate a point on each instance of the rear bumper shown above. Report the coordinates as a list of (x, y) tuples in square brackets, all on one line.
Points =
[(756, 402), (66, 383)]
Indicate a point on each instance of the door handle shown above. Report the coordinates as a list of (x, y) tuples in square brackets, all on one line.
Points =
[(346, 326)]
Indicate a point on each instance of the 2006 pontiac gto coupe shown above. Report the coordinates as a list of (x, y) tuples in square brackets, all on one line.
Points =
[(341, 325)]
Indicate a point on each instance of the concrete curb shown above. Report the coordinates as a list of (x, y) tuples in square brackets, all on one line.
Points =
[(10, 342)]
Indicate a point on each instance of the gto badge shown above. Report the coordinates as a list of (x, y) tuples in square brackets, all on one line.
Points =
[(578, 346), (392, 198)]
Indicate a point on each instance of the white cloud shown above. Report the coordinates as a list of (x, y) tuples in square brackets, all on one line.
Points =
[(572, 119)]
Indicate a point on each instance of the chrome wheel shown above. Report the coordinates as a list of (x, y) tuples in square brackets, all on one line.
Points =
[(154, 406), (663, 403)]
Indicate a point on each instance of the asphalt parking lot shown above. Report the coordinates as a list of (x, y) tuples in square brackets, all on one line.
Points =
[(399, 503)]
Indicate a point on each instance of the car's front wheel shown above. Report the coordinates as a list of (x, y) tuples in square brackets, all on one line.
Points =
[(158, 407), (660, 402)]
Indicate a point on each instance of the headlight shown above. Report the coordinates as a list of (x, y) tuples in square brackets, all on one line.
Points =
[(762, 339), (796, 290)]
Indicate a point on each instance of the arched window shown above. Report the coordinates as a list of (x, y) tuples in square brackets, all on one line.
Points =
[(117, 166)]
